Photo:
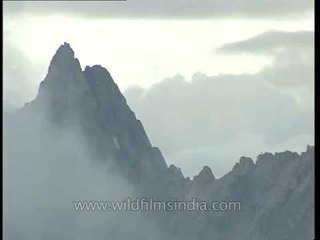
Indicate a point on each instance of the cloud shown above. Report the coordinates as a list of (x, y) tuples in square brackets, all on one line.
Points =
[(164, 9), (217, 119), (292, 53), (18, 74), (270, 42), (292, 68), (47, 169)]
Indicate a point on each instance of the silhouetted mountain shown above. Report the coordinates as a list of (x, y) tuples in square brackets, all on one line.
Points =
[(276, 192), (91, 101)]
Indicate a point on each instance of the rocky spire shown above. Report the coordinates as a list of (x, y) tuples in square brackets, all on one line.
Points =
[(63, 55), (243, 166), (204, 177), (276, 191), (64, 81), (92, 101)]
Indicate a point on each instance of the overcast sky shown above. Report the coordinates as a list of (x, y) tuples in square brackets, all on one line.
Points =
[(211, 82)]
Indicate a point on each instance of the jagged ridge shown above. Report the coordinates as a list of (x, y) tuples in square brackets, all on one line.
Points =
[(272, 187)]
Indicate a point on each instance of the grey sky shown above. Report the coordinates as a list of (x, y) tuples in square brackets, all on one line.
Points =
[(270, 110), (220, 80), (16, 67), (292, 52), (232, 114), (270, 41), (166, 8)]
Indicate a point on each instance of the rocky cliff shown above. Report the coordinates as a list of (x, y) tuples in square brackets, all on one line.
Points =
[(276, 191)]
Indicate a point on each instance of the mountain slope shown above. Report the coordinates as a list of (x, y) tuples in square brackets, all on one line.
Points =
[(82, 114), (91, 101)]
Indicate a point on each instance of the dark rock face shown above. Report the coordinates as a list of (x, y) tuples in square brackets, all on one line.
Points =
[(91, 101), (276, 191), (243, 166), (273, 192), (202, 183)]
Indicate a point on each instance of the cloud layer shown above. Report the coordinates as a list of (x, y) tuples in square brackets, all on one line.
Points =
[(293, 54), (271, 42), (18, 75), (204, 119), (217, 112), (165, 8)]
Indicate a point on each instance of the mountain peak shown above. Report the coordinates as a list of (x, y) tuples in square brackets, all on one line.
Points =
[(205, 176), (244, 165), (64, 51), (92, 101), (64, 59)]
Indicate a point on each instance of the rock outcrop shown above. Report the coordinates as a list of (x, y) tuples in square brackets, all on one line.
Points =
[(276, 191), (91, 101)]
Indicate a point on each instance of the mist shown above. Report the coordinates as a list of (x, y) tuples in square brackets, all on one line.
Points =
[(46, 169)]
